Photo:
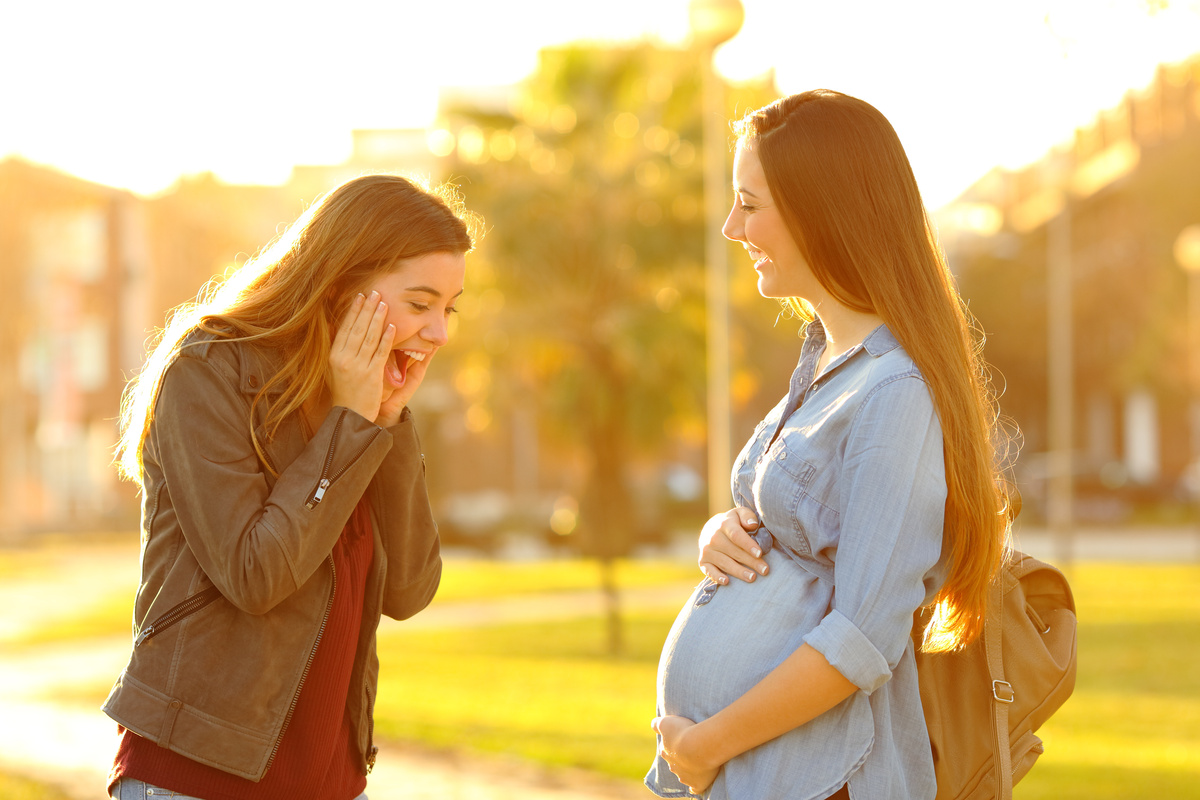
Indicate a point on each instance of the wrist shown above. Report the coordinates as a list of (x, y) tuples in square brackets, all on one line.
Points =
[(705, 744)]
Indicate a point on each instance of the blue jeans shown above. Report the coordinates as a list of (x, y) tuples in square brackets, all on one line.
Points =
[(133, 789)]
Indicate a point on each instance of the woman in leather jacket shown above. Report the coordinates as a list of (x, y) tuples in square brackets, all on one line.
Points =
[(283, 497)]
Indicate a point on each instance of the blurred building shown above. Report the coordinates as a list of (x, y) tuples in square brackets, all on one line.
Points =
[(74, 278), (201, 227), (1121, 191), (87, 274)]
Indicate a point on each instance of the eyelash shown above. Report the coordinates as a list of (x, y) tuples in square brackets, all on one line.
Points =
[(421, 308)]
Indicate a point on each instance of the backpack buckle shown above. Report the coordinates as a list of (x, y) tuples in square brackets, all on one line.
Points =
[(1003, 691)]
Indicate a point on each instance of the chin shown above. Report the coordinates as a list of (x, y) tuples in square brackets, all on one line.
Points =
[(766, 289)]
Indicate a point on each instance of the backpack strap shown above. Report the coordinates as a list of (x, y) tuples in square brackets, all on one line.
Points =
[(1002, 691)]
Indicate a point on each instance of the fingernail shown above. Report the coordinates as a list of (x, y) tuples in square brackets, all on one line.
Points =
[(374, 294), (764, 569), (359, 298), (749, 576), (722, 580), (757, 552)]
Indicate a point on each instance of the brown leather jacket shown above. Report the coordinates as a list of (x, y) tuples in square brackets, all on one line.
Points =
[(236, 576)]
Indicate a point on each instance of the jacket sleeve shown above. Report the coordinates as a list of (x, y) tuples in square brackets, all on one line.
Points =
[(400, 502), (257, 543), (893, 498)]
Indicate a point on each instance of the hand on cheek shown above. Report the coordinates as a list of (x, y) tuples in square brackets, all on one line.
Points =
[(360, 350)]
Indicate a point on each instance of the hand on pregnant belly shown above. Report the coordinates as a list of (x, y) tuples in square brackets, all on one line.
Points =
[(683, 751)]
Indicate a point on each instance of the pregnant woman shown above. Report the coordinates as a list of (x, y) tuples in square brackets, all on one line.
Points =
[(868, 492)]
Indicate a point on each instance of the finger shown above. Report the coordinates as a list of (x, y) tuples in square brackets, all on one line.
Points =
[(727, 566), (748, 517), (343, 331), (384, 349), (743, 541), (349, 339), (362, 322), (741, 547), (374, 332), (713, 574)]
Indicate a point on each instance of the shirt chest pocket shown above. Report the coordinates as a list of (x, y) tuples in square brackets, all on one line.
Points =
[(786, 494)]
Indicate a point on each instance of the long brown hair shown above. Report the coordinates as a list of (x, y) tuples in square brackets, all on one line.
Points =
[(847, 193), (291, 295)]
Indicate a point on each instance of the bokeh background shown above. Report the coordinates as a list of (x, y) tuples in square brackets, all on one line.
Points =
[(147, 147)]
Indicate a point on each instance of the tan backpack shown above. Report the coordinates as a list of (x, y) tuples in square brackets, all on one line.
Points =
[(983, 703)]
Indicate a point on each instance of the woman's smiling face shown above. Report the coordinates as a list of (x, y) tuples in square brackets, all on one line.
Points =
[(420, 295), (756, 222)]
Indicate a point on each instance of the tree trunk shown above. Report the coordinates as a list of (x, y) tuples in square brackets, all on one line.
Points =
[(612, 606)]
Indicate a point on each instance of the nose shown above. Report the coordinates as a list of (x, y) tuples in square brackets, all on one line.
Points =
[(436, 332), (733, 228)]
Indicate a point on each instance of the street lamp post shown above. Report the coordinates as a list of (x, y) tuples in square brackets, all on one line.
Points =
[(712, 23), (1060, 511), (1187, 254)]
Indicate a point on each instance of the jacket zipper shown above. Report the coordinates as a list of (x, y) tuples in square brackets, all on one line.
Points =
[(372, 750), (323, 484), (308, 664), (326, 479), (177, 614)]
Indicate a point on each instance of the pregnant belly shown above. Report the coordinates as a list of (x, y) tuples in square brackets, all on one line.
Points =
[(718, 650)]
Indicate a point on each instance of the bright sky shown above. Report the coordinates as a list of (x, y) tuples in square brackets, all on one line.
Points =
[(133, 93)]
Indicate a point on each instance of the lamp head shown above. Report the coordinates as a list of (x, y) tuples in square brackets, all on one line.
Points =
[(1187, 248), (714, 22)]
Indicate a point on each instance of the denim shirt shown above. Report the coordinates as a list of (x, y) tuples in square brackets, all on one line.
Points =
[(847, 476)]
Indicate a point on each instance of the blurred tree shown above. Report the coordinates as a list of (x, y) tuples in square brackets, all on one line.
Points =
[(591, 188)]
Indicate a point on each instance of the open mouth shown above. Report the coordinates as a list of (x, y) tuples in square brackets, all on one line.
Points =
[(396, 369)]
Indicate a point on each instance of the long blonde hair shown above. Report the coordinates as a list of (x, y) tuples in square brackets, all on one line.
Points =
[(291, 295), (846, 190)]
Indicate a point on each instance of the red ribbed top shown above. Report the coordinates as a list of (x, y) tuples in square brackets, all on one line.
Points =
[(316, 757)]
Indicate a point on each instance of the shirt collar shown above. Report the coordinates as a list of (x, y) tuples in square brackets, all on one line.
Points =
[(878, 341)]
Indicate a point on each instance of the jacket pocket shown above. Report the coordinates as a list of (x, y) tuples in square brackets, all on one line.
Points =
[(177, 614)]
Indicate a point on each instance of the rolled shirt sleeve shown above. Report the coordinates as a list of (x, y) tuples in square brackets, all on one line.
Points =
[(892, 510)]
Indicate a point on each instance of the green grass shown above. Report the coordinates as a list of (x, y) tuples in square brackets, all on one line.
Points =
[(102, 616), (1132, 728), (462, 581), (549, 692), (13, 787), (478, 579)]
